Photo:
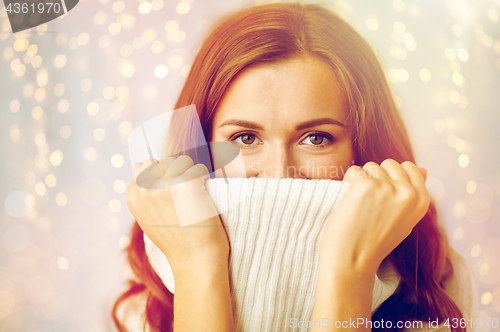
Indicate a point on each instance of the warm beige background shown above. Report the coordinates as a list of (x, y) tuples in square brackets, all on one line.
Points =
[(72, 90)]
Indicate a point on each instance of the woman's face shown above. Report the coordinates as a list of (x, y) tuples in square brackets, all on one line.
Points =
[(289, 119)]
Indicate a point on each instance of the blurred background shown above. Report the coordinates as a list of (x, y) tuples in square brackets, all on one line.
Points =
[(71, 91)]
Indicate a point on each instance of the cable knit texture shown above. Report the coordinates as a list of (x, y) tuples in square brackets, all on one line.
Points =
[(274, 226)]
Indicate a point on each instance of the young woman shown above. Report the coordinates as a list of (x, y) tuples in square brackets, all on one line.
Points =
[(294, 85)]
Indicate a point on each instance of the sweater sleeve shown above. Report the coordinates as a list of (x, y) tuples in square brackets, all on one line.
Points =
[(462, 289)]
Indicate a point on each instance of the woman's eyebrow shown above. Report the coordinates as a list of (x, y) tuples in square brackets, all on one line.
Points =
[(317, 122), (300, 126), (241, 123)]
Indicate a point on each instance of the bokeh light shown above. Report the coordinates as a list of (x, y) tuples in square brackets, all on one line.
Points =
[(61, 199), (117, 160), (56, 158), (92, 108), (128, 70), (425, 75), (115, 205), (76, 87), (90, 154), (118, 6), (65, 131), (51, 180), (99, 134), (161, 71), (14, 106), (145, 7), (120, 186), (183, 7), (86, 85), (175, 61), (62, 263), (63, 105)]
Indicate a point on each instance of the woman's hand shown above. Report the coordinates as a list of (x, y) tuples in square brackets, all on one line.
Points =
[(169, 201), (383, 204)]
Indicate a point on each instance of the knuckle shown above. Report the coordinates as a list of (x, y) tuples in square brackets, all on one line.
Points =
[(170, 172), (352, 170), (408, 163), (183, 178), (202, 168), (179, 166), (387, 187), (369, 164), (388, 161), (198, 170), (369, 184), (175, 170), (350, 174), (172, 181), (407, 193), (185, 158)]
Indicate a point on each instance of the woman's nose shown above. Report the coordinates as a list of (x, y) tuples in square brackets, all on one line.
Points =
[(278, 164)]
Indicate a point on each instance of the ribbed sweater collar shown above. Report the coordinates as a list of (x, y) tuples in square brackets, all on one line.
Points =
[(274, 226)]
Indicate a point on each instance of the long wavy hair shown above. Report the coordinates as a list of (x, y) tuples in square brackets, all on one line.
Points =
[(280, 32)]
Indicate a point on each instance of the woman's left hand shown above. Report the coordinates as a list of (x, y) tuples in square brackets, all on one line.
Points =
[(382, 205)]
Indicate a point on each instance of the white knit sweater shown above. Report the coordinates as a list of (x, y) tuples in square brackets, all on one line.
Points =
[(274, 226)]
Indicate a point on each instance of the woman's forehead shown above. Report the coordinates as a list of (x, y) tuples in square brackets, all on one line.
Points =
[(295, 90)]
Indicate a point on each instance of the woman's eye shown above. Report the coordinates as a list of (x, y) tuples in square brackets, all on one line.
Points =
[(246, 139), (317, 139)]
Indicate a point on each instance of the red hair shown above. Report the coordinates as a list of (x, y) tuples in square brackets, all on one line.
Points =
[(279, 32)]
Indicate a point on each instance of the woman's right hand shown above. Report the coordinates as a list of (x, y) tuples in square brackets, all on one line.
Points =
[(380, 209), (173, 208)]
